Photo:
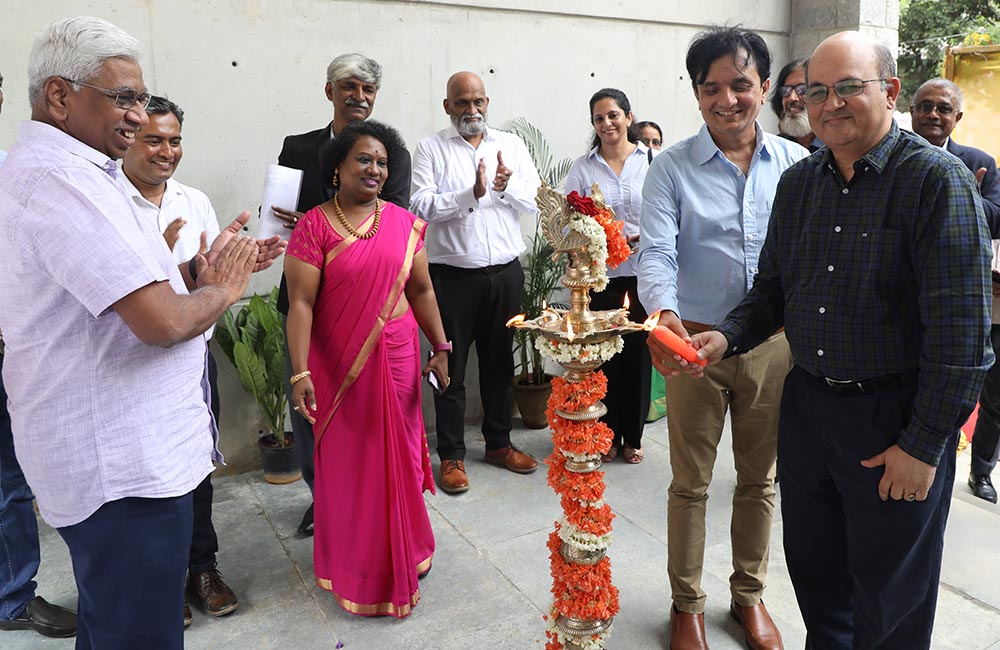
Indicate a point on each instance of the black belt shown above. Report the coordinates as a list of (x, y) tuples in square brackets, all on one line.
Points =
[(863, 387), (482, 270)]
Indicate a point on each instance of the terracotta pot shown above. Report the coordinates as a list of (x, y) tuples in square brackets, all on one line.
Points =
[(281, 464), (531, 402)]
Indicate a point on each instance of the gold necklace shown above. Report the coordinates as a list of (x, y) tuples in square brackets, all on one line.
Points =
[(347, 224)]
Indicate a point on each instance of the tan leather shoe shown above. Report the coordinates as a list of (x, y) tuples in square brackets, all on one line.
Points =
[(513, 459), (453, 477), (687, 631), (759, 630)]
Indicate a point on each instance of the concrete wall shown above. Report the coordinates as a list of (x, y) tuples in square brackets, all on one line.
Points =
[(249, 72)]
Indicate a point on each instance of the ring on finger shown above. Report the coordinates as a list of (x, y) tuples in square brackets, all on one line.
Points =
[(911, 497)]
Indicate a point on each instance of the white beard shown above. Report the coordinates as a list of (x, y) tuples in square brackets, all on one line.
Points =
[(795, 125)]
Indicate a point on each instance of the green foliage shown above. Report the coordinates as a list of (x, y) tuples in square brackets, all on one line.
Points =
[(541, 271), (254, 342), (927, 28)]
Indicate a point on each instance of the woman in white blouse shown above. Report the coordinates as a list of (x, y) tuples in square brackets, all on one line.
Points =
[(617, 162)]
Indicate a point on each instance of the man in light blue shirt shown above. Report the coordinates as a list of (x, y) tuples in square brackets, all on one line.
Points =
[(705, 209)]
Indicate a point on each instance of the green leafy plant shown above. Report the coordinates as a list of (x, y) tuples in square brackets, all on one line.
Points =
[(541, 271), (254, 342)]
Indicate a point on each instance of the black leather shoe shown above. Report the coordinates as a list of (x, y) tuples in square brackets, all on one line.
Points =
[(982, 487), (45, 618), (188, 618), (305, 528)]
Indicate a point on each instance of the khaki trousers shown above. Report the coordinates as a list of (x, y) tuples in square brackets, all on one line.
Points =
[(749, 386)]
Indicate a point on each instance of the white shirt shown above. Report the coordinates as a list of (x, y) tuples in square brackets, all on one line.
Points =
[(461, 230), (623, 194), (97, 414), (179, 200)]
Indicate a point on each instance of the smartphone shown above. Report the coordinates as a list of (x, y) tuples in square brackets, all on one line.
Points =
[(432, 378)]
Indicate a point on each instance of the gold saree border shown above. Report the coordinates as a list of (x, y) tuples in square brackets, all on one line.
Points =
[(381, 320), (377, 609)]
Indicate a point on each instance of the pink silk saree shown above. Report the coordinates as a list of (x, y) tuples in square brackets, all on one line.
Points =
[(372, 532)]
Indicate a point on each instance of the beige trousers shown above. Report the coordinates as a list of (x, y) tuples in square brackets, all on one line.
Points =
[(749, 387)]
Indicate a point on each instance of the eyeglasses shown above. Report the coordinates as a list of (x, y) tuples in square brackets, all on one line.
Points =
[(125, 99), (844, 89), (925, 108), (785, 91)]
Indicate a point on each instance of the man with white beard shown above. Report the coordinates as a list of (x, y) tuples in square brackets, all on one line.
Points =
[(793, 122), (473, 244)]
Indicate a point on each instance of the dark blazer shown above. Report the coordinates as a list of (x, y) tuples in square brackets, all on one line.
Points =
[(990, 188), (308, 151)]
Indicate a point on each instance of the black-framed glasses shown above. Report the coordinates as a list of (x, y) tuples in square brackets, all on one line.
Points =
[(844, 89), (925, 108), (126, 98), (785, 91)]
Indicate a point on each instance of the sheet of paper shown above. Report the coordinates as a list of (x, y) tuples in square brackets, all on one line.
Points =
[(281, 188)]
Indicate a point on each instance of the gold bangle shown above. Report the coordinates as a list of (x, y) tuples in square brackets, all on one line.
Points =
[(295, 378)]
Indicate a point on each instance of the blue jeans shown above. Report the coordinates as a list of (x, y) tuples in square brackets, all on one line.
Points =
[(19, 556)]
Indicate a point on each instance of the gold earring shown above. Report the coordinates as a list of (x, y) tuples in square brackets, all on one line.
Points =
[(336, 177)]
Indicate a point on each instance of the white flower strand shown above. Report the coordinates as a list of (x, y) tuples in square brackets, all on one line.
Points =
[(582, 540), (568, 352), (597, 249)]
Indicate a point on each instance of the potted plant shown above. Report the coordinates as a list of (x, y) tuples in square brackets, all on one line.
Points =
[(541, 279), (254, 342)]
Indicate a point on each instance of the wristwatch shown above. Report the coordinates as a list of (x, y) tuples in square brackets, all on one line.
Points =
[(442, 347)]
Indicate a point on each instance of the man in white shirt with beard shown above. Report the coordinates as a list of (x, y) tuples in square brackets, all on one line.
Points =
[(473, 243)]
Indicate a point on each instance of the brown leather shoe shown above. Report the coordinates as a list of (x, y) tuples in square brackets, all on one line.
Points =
[(209, 592), (759, 630), (188, 619), (687, 631), (453, 477), (513, 459)]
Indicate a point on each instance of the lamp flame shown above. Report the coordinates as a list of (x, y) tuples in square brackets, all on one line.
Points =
[(625, 303), (569, 330), (515, 320), (650, 322)]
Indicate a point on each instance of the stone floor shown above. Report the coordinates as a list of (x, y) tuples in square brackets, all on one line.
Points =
[(490, 583)]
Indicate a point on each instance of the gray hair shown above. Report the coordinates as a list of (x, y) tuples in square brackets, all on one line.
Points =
[(355, 65), (884, 60), (944, 83), (76, 48)]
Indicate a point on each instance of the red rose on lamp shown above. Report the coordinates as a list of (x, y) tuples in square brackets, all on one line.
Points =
[(582, 204)]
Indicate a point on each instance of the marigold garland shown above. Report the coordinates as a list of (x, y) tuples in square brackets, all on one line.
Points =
[(581, 591), (577, 395), (582, 487)]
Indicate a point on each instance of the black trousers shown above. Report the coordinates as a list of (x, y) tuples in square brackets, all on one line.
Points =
[(865, 571), (204, 541), (475, 306), (629, 372), (986, 437)]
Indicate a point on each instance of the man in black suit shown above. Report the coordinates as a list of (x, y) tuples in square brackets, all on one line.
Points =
[(936, 109), (352, 82)]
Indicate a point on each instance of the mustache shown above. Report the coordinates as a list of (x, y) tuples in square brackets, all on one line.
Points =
[(361, 104)]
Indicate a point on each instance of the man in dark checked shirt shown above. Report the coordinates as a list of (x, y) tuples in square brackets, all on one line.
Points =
[(877, 262)]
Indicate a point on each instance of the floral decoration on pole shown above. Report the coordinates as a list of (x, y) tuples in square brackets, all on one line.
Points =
[(584, 599)]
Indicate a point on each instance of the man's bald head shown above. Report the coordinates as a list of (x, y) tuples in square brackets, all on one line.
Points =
[(852, 125), (466, 104)]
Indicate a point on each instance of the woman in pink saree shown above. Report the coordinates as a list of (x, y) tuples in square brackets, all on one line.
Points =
[(358, 289)]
